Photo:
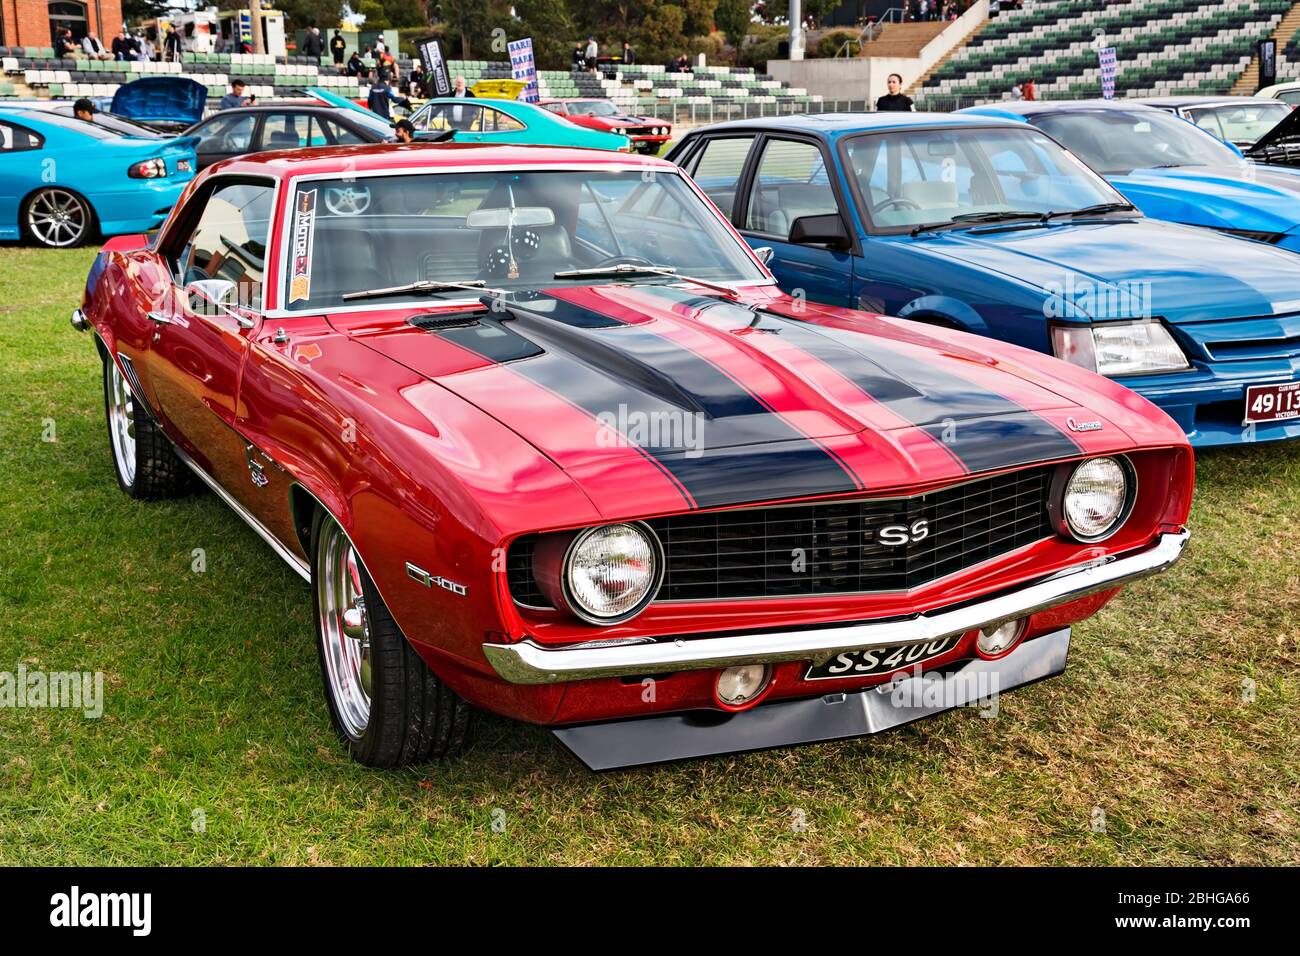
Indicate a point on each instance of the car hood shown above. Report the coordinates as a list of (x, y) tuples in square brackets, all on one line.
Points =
[(1258, 198), (665, 394), (1179, 273), (161, 99)]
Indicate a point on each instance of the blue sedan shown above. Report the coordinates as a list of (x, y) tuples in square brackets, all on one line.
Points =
[(1170, 168), (989, 226), (63, 180)]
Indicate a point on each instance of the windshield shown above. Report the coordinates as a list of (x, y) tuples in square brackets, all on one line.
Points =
[(509, 230), (909, 178), (593, 108), (113, 123), (1239, 122), (1118, 141), (79, 126)]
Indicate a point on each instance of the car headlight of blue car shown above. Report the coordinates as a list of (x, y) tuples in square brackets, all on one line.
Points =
[(1119, 348)]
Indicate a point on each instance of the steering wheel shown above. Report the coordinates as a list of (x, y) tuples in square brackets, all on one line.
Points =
[(234, 143), (895, 201), (347, 200), (624, 261)]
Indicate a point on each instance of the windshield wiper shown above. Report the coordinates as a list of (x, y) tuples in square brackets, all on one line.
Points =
[(628, 270), (422, 285), (1094, 210), (978, 218)]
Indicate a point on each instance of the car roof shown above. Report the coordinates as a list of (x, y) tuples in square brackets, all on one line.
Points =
[(831, 125), (383, 157), (1023, 108), (1204, 100)]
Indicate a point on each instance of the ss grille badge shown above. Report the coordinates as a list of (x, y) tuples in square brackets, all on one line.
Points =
[(895, 535)]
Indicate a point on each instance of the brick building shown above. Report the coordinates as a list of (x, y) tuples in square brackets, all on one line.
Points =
[(33, 22)]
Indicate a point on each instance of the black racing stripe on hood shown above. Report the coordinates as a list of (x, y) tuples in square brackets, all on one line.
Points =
[(983, 430), (745, 450)]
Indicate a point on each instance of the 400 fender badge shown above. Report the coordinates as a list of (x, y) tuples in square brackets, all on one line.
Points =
[(428, 580)]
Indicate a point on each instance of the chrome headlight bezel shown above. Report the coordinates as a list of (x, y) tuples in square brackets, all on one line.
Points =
[(553, 566), (1080, 344), (1059, 513)]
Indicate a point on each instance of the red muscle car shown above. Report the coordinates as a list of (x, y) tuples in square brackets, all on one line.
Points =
[(646, 132), (545, 439)]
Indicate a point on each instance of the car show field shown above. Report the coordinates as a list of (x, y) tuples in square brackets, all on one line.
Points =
[(1169, 740)]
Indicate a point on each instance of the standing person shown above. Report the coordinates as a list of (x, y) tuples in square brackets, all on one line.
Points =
[(381, 95), (172, 45), (337, 47), (591, 53), (145, 48), (894, 101), (628, 56), (579, 59), (311, 44), (1017, 93), (235, 98), (1028, 89), (380, 45)]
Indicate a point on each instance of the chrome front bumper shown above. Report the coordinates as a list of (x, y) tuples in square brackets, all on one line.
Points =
[(527, 662)]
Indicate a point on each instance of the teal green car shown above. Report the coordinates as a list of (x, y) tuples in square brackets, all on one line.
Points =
[(483, 120)]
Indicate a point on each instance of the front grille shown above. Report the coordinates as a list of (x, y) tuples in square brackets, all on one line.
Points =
[(833, 547)]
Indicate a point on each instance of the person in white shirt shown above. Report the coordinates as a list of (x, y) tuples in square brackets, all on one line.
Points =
[(592, 52), (94, 49)]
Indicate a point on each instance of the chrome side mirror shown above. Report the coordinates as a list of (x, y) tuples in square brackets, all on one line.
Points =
[(765, 254), (220, 294)]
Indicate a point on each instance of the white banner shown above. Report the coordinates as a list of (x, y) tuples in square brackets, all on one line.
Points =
[(523, 67), (1108, 70)]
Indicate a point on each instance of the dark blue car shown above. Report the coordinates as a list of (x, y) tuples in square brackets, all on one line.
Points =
[(987, 224)]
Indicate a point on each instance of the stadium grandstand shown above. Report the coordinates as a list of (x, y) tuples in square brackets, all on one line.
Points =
[(1163, 47)]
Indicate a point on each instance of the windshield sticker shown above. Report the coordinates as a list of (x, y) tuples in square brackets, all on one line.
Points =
[(304, 222)]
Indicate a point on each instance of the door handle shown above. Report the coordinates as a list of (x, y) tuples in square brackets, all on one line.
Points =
[(160, 318)]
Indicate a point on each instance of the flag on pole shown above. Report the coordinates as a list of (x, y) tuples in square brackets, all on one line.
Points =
[(523, 67), (1108, 71)]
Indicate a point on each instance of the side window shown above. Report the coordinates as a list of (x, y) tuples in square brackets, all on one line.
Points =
[(229, 240), (791, 183), (495, 121), (16, 139), (1208, 120), (341, 134), (285, 131), (716, 168), (227, 134)]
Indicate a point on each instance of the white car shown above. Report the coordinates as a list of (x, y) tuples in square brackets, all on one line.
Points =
[(1286, 92)]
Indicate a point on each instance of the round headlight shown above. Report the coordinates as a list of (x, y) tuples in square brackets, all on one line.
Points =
[(612, 572), (996, 641), (738, 686), (1096, 499)]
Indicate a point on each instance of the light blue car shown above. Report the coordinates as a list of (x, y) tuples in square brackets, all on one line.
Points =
[(1170, 168), (64, 181), (485, 120)]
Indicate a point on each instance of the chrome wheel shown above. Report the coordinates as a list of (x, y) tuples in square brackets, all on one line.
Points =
[(347, 200), (345, 629), (121, 423), (58, 218)]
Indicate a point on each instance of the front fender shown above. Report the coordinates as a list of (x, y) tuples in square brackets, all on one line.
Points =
[(961, 314)]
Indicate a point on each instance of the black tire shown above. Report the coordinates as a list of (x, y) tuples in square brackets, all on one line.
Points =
[(146, 467), (41, 223), (413, 716)]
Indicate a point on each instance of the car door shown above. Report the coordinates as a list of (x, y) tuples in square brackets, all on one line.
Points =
[(789, 180), (223, 136), (198, 350), (20, 155)]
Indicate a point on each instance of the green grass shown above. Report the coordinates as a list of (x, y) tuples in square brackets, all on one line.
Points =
[(214, 700)]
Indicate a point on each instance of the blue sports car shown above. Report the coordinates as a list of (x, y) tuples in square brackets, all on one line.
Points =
[(988, 225), (1170, 168), (63, 180)]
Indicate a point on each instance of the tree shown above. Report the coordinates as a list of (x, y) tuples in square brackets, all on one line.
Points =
[(551, 26), (732, 18), (310, 13), (699, 17)]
